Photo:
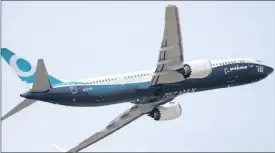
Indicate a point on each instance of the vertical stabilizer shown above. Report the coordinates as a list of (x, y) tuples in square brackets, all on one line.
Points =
[(41, 81)]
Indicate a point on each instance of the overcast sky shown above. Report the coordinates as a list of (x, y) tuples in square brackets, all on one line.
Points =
[(87, 39)]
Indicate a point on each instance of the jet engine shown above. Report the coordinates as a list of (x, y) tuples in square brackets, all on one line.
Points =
[(168, 111), (196, 69)]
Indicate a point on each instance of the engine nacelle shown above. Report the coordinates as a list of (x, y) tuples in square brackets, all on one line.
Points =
[(199, 68), (168, 111)]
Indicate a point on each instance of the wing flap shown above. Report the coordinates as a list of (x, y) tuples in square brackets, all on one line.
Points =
[(171, 52), (166, 78)]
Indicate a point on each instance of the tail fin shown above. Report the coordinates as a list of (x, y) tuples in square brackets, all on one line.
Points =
[(41, 81), (24, 70)]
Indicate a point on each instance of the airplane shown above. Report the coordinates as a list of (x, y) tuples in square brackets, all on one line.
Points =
[(152, 92)]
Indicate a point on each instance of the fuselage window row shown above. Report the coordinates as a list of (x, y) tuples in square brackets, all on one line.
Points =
[(226, 63), (115, 79), (148, 74)]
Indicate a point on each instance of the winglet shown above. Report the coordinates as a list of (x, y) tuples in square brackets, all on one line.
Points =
[(41, 81), (59, 148)]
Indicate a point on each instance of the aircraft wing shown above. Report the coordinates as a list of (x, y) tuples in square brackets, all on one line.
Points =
[(125, 118), (171, 52)]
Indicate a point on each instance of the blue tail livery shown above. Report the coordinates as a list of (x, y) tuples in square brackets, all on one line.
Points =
[(24, 70)]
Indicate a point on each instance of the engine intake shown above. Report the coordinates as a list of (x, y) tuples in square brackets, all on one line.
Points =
[(196, 69), (168, 111)]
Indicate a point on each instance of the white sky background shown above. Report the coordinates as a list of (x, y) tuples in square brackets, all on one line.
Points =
[(87, 39)]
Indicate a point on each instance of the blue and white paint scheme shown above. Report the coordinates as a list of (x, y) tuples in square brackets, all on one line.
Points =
[(151, 91), (24, 70)]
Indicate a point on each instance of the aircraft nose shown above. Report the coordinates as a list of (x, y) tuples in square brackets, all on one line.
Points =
[(268, 69)]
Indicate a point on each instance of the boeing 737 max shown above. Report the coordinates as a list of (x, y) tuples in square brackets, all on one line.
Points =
[(150, 91)]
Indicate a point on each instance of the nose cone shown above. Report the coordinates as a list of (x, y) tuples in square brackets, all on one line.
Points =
[(268, 70)]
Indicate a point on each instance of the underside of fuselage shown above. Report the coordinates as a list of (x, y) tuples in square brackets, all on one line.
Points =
[(85, 95)]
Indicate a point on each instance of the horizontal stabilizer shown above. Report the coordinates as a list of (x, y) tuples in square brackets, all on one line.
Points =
[(25, 103), (41, 81)]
